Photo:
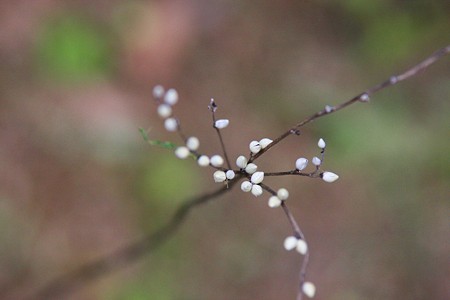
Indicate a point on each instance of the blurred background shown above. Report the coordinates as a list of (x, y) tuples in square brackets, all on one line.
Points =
[(77, 181)]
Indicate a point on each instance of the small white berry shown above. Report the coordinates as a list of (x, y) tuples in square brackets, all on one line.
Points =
[(283, 194), (182, 152), (251, 168), (171, 97), (203, 161), (222, 123), (290, 243), (219, 176), (274, 201), (171, 124), (316, 161), (309, 289), (246, 186), (254, 147), (321, 143), (257, 177), (193, 143), (302, 247), (301, 163), (164, 111), (241, 162), (257, 190), (265, 142), (158, 91), (230, 174), (329, 176), (216, 160)]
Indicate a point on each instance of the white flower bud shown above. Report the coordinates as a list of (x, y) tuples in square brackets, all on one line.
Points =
[(301, 163), (302, 247), (251, 168), (219, 176), (329, 176), (274, 201), (182, 152), (216, 160), (241, 162), (193, 143), (309, 289), (265, 142), (222, 123), (283, 194), (257, 190), (254, 147), (158, 91), (290, 243), (171, 97), (164, 111), (171, 124), (321, 143), (257, 177), (230, 174), (316, 161), (203, 161), (246, 186)]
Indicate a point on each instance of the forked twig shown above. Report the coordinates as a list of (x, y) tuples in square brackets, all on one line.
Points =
[(74, 280)]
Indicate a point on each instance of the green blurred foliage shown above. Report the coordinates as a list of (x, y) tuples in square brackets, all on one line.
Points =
[(70, 48)]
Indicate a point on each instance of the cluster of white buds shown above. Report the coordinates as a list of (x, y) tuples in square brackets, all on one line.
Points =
[(168, 99), (292, 242), (254, 184), (256, 146)]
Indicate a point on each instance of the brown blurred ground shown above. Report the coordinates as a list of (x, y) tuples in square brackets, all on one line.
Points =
[(77, 181)]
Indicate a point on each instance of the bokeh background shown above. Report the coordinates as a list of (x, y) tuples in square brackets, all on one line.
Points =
[(77, 181)]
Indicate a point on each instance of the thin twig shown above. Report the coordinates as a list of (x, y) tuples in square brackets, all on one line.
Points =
[(363, 97)]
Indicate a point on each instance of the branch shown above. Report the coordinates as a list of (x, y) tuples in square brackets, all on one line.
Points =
[(362, 97), (72, 281)]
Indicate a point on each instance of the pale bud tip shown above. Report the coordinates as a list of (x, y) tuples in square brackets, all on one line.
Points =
[(274, 201), (309, 289), (222, 123), (321, 143), (219, 176), (290, 243), (329, 176)]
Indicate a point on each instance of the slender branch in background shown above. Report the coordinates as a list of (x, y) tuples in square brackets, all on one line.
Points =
[(217, 125), (72, 281), (363, 97)]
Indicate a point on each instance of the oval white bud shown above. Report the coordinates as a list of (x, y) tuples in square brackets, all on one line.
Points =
[(230, 174), (290, 243), (222, 123), (321, 143), (241, 162), (274, 201), (302, 247), (219, 176), (257, 190), (309, 289), (254, 147), (329, 176), (164, 111), (283, 194), (193, 143), (316, 161), (301, 163), (203, 161), (251, 168), (257, 177), (171, 124), (246, 186), (265, 142), (158, 91), (216, 160), (171, 97), (182, 152)]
